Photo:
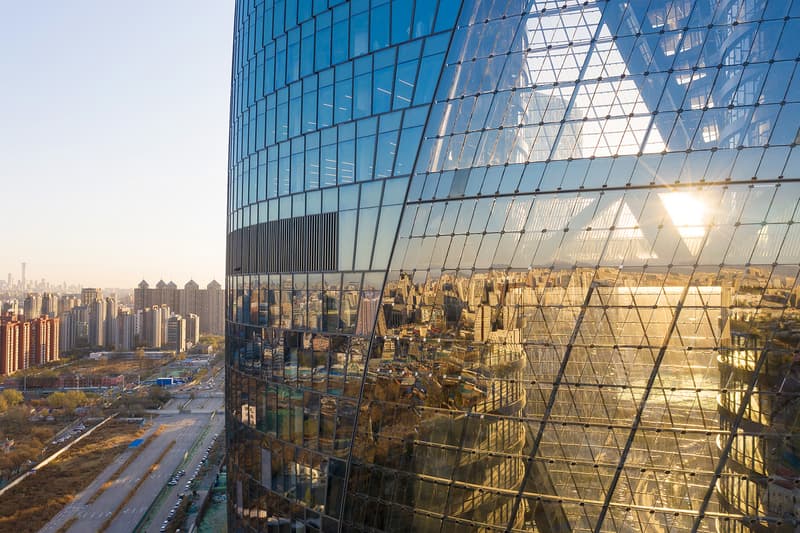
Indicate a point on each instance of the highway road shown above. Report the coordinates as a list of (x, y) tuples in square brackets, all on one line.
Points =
[(183, 433), (214, 426), (76, 508)]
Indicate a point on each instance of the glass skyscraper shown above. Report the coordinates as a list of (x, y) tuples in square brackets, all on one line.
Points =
[(514, 265)]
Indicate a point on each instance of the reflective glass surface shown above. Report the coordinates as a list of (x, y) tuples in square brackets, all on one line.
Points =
[(514, 265)]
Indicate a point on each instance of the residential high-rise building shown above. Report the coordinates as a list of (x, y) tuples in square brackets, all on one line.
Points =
[(44, 333), (67, 302), (192, 328), (110, 325), (154, 322), (95, 306), (24, 348), (142, 296), (190, 298), (54, 343), (176, 333), (49, 305), (126, 330), (11, 307), (80, 324), (579, 221), (90, 295), (97, 323), (26, 343), (166, 312), (40, 339), (31, 306), (139, 326), (212, 309), (9, 345), (207, 303), (68, 330)]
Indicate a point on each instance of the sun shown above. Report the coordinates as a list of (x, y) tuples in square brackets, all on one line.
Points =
[(688, 213)]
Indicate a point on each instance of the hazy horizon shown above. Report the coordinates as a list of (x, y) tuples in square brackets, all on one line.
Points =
[(114, 140)]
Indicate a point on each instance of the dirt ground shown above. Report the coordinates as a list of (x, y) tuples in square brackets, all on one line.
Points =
[(30, 505), (101, 367)]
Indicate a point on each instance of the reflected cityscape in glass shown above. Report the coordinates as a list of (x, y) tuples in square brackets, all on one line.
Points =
[(514, 265)]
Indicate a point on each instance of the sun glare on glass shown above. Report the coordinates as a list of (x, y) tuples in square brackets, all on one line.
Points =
[(687, 212)]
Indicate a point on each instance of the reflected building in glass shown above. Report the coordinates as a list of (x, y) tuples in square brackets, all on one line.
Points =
[(513, 266)]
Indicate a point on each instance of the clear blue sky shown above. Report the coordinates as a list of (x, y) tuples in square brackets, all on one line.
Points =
[(113, 139)]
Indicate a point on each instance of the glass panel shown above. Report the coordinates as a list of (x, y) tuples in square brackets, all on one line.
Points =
[(589, 246)]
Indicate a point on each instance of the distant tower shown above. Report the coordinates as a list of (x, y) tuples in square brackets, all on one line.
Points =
[(97, 323), (176, 333), (111, 334), (22, 280), (49, 305), (31, 306), (126, 330), (192, 328)]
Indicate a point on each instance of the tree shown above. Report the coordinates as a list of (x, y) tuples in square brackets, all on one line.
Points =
[(67, 400), (12, 396), (41, 433), (159, 395), (18, 415)]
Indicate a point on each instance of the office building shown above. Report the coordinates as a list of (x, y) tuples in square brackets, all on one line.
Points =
[(578, 219)]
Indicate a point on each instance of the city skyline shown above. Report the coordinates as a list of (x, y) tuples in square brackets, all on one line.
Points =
[(161, 316), (113, 146), (13, 282)]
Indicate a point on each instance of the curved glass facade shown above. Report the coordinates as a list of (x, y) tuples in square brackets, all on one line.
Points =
[(514, 265)]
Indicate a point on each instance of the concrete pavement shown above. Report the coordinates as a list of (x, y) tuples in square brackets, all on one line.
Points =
[(190, 429)]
